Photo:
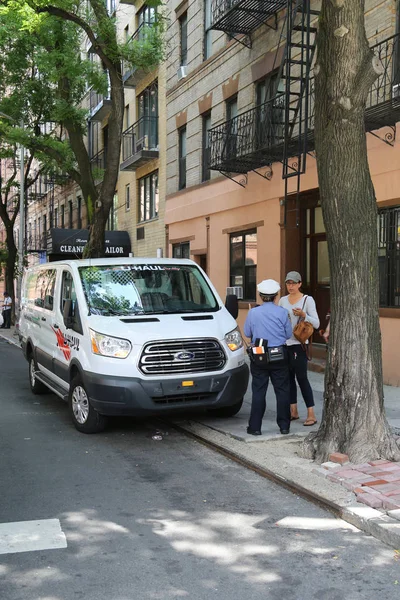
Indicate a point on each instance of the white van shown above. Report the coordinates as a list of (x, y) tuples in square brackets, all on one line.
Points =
[(130, 336)]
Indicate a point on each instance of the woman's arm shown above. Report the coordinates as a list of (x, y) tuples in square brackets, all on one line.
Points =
[(311, 312)]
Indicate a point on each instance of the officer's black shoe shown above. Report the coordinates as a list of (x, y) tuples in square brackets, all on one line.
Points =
[(285, 431), (253, 431)]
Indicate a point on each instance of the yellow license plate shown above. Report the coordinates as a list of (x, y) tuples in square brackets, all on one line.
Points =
[(187, 383)]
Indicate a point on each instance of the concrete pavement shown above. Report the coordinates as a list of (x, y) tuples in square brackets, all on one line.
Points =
[(279, 457)]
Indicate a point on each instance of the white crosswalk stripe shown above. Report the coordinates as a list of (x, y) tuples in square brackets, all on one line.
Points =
[(28, 536)]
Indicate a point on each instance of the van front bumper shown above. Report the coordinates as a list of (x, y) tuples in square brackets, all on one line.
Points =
[(134, 396)]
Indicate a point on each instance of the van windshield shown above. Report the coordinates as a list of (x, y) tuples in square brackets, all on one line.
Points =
[(146, 289)]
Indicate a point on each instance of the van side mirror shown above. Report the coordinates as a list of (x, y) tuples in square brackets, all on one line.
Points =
[(232, 305), (67, 314)]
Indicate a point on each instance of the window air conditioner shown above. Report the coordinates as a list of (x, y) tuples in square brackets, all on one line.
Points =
[(396, 91), (236, 290), (182, 72)]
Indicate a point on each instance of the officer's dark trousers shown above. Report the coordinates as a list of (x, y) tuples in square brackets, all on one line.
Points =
[(280, 380), (7, 319)]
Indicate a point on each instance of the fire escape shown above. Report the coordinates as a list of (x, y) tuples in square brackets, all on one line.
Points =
[(282, 128)]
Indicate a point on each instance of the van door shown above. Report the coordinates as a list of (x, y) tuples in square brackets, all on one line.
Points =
[(44, 312), (68, 340)]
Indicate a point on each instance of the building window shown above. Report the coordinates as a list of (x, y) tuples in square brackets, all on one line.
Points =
[(62, 216), (148, 197), (231, 107), (207, 30), (71, 214), (389, 257), (181, 250), (79, 199), (127, 197), (270, 115), (206, 126), (182, 158), (56, 217), (243, 262), (112, 224), (183, 38)]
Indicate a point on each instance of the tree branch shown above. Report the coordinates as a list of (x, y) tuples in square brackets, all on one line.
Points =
[(68, 16)]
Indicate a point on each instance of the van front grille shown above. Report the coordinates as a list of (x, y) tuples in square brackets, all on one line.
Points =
[(184, 399), (180, 357)]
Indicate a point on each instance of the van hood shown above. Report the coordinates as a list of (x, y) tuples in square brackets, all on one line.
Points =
[(145, 328)]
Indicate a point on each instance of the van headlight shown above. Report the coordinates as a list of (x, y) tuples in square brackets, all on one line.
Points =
[(234, 340), (105, 345)]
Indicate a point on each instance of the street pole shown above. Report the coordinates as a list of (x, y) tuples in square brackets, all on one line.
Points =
[(21, 241)]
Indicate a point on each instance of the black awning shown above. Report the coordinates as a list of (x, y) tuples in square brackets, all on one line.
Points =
[(72, 242)]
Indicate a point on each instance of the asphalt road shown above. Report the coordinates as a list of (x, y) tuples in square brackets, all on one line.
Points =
[(162, 519)]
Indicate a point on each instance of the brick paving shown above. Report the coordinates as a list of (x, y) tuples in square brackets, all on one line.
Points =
[(376, 484)]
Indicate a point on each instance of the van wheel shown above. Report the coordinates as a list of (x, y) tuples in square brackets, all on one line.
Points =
[(226, 411), (85, 418), (37, 387)]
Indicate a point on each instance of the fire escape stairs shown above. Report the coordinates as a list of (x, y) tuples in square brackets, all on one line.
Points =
[(294, 73)]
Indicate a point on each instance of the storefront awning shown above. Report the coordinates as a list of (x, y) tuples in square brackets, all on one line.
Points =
[(71, 243)]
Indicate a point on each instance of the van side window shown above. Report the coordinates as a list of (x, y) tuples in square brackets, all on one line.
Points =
[(30, 289), (67, 289), (44, 292)]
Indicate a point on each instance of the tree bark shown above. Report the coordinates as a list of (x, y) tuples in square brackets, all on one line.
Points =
[(353, 420)]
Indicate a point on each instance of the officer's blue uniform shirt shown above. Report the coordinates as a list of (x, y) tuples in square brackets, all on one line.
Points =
[(270, 322)]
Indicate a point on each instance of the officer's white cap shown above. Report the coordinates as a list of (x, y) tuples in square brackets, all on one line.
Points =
[(268, 287)]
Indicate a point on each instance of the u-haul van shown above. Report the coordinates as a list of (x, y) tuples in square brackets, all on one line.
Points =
[(130, 336)]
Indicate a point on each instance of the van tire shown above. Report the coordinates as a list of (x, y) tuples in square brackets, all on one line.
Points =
[(226, 411), (37, 387), (85, 418)]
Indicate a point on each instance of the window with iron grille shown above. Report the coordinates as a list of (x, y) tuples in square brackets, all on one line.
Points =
[(389, 257), (243, 262), (182, 158), (148, 197)]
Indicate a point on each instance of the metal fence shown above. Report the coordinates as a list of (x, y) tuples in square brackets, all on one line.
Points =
[(142, 135)]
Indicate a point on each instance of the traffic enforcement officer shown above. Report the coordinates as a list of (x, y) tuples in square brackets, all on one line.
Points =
[(270, 326)]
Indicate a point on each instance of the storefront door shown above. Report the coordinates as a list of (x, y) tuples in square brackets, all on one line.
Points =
[(317, 272)]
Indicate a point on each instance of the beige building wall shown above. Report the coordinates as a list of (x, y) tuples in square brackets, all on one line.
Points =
[(206, 214)]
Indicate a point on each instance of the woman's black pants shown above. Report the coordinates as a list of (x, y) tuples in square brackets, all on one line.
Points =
[(298, 370)]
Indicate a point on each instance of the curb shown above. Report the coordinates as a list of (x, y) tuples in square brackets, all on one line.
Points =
[(373, 522), (10, 341)]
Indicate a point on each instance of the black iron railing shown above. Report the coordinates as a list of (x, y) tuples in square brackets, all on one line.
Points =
[(95, 99), (142, 135), (256, 137), (98, 164), (138, 36), (243, 16), (39, 189), (36, 242)]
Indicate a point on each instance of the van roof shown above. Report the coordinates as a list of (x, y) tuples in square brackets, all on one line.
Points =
[(93, 262)]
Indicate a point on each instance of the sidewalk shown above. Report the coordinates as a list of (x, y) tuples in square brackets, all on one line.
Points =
[(336, 486), (279, 457), (10, 335)]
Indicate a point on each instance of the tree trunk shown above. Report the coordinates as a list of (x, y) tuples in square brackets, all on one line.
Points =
[(353, 420)]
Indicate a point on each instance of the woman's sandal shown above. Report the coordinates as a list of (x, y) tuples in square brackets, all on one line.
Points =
[(294, 418), (310, 422)]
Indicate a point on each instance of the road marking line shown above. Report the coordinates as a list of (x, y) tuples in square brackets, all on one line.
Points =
[(27, 536)]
